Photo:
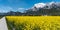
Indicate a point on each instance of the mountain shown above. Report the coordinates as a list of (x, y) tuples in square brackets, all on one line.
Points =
[(46, 5), (52, 8)]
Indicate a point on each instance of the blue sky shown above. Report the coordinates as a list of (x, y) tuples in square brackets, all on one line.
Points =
[(20, 5)]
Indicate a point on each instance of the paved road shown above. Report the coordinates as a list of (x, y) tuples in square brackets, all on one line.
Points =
[(3, 24)]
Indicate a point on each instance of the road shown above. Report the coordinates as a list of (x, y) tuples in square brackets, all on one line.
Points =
[(3, 24)]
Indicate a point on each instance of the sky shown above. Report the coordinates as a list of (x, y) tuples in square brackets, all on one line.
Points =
[(20, 5)]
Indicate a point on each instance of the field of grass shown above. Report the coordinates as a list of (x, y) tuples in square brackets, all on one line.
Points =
[(33, 22)]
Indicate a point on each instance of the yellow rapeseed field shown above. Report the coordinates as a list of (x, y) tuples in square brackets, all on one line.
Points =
[(33, 22)]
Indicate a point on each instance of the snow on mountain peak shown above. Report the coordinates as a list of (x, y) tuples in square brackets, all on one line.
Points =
[(51, 3), (39, 5), (42, 5), (48, 5)]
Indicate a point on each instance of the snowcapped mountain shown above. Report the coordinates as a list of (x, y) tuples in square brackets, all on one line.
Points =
[(39, 5), (46, 5)]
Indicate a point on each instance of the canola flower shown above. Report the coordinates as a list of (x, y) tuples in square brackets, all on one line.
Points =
[(33, 22)]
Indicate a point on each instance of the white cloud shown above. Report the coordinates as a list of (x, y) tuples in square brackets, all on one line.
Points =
[(41, 5), (21, 8), (5, 9)]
